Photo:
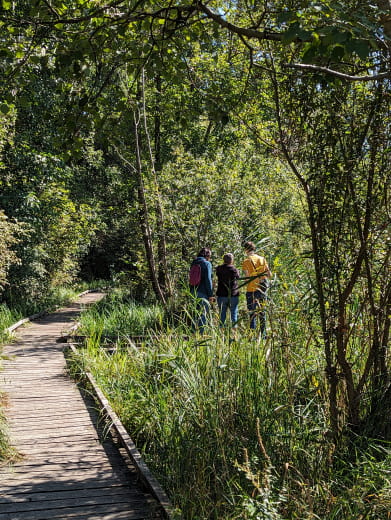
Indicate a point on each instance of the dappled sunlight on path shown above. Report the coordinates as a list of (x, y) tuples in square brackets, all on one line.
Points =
[(69, 466)]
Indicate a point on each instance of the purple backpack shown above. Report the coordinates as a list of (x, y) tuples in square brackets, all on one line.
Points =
[(195, 275)]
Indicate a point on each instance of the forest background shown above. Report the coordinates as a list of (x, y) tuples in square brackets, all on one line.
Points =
[(134, 133)]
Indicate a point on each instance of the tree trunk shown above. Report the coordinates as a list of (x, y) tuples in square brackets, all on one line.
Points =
[(144, 217), (164, 278), (315, 227)]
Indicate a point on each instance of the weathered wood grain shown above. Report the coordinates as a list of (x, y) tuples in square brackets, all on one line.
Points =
[(69, 468)]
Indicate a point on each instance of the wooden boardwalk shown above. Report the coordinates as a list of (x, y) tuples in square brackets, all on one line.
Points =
[(69, 468)]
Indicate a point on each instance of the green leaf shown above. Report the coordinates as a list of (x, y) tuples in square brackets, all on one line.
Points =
[(6, 4), (286, 16), (291, 33), (341, 36), (304, 35), (360, 47), (338, 52), (4, 108), (24, 101), (309, 54)]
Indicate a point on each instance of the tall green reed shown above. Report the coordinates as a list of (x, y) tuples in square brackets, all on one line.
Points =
[(198, 406), (192, 403)]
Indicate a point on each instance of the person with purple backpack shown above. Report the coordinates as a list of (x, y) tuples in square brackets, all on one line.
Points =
[(201, 286)]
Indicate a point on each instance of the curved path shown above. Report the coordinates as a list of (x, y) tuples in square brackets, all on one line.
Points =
[(68, 469)]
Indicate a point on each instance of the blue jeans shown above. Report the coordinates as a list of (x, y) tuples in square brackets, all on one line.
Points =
[(256, 305), (228, 302), (203, 310)]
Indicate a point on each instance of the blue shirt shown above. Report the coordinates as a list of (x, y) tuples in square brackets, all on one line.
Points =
[(205, 288)]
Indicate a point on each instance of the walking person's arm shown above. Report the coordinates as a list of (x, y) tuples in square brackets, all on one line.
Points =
[(208, 281)]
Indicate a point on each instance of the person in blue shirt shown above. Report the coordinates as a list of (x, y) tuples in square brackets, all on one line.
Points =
[(204, 290)]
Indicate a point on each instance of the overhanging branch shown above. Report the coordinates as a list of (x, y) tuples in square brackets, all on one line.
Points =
[(243, 31), (335, 73)]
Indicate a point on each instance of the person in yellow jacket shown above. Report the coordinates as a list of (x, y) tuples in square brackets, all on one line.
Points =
[(257, 270)]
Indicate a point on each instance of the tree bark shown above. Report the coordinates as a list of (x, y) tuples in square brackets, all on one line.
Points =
[(144, 217), (315, 227), (156, 161), (385, 18)]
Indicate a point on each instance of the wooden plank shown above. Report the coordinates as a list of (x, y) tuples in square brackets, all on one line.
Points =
[(27, 377), (37, 399), (26, 385), (20, 427), (42, 368), (56, 419), (114, 491), (64, 472), (48, 418), (26, 444), (62, 485), (76, 475), (47, 436), (79, 408), (102, 463), (130, 500), (52, 399), (97, 467), (55, 406), (52, 428), (150, 481), (34, 379), (68, 446), (53, 457), (60, 467), (75, 458), (120, 515), (72, 457), (100, 512)]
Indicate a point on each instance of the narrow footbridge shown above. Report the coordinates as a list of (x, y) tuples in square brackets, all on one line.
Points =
[(70, 467)]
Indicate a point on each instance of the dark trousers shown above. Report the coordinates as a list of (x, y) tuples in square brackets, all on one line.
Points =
[(256, 302)]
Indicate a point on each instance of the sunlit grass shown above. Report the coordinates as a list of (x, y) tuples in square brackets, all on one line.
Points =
[(234, 428), (116, 319), (7, 452), (7, 318)]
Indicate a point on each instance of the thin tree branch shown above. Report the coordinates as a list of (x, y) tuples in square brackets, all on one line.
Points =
[(51, 8), (341, 75), (250, 33)]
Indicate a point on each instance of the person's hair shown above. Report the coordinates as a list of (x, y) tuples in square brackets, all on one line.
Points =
[(204, 252), (249, 246), (228, 258)]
